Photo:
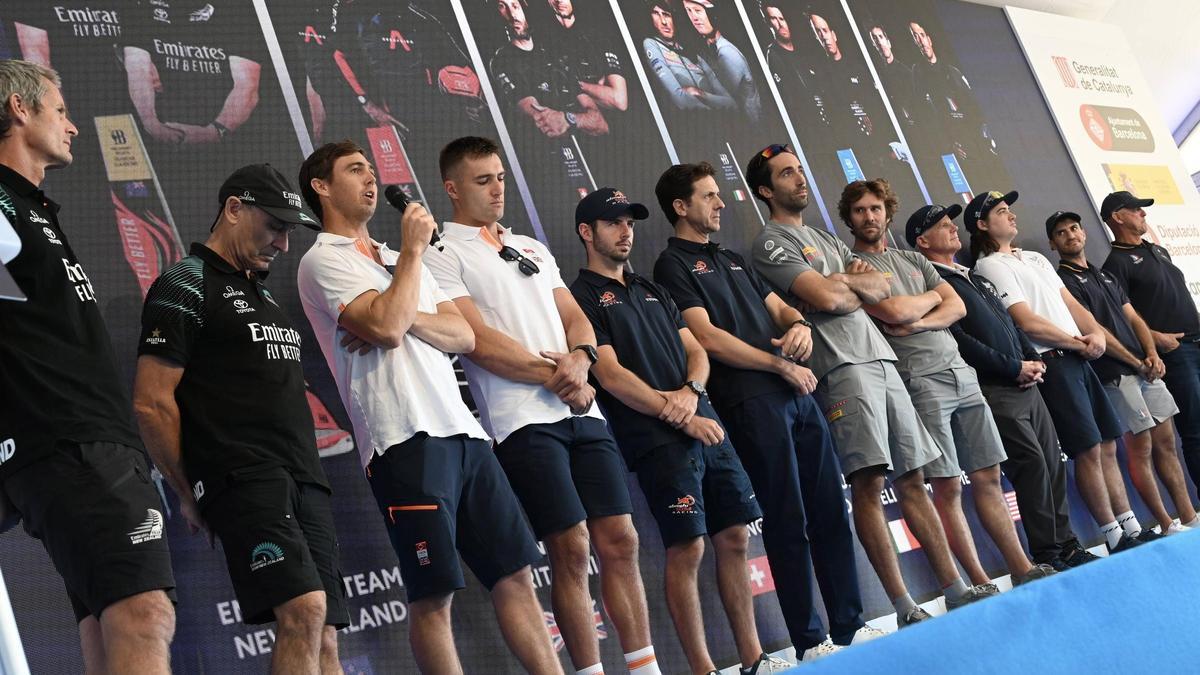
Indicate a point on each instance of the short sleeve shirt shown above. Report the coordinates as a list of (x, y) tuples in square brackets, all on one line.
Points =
[(522, 307), (640, 321), (719, 281), (1026, 276), (191, 43), (389, 394), (243, 403), (931, 351), (1156, 287), (781, 253), (1100, 293), (520, 74), (57, 371)]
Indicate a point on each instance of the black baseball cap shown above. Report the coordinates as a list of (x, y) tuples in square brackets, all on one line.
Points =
[(1116, 201), (981, 205), (262, 186), (608, 204), (1057, 217), (926, 217)]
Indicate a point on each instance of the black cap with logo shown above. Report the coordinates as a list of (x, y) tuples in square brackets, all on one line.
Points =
[(262, 186), (1116, 201), (981, 205), (926, 217), (1057, 217), (608, 204)]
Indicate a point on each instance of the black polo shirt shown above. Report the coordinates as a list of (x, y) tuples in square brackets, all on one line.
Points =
[(640, 322), (1156, 287), (1102, 295), (719, 280), (58, 378), (242, 401)]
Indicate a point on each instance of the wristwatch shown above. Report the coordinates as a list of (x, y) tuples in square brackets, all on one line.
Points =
[(697, 388), (803, 322), (591, 352), (222, 130), (572, 120)]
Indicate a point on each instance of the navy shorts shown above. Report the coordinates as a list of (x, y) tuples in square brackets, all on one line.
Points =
[(693, 489), (98, 515), (279, 543), (1082, 413), (443, 496), (565, 472)]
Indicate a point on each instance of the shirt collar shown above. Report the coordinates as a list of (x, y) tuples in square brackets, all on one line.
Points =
[(342, 240), (1129, 247), (953, 269), (710, 248), (465, 232), (214, 260), (597, 280), (24, 189), (1064, 265)]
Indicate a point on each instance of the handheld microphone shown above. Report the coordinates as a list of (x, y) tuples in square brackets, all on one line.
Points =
[(395, 196)]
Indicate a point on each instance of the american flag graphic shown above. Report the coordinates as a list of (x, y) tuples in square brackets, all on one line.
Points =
[(1064, 71), (1010, 498), (556, 637)]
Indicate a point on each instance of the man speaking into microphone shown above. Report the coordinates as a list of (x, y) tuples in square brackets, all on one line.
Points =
[(430, 465)]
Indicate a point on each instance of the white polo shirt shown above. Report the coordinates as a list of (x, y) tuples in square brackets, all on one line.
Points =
[(390, 394), (522, 307), (1026, 276)]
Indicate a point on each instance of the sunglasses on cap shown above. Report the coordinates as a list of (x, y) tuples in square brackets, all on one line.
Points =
[(527, 266)]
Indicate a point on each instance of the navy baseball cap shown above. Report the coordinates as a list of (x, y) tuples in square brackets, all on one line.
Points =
[(263, 186), (608, 204), (1057, 217), (1116, 201), (926, 217), (981, 205)]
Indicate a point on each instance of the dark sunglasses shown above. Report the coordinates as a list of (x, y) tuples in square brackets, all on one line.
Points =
[(774, 149), (527, 266)]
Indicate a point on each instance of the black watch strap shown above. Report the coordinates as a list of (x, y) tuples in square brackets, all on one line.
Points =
[(590, 350)]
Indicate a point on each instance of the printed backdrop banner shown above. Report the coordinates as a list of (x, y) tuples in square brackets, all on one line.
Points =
[(170, 96), (1105, 111)]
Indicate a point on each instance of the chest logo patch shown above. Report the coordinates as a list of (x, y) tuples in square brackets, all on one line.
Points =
[(51, 236), (608, 299), (242, 307), (701, 267)]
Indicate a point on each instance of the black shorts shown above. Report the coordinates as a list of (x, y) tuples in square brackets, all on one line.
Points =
[(99, 516), (1079, 406), (693, 489), (565, 472), (442, 495), (279, 543)]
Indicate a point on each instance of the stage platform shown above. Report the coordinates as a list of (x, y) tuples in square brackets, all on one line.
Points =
[(1130, 613)]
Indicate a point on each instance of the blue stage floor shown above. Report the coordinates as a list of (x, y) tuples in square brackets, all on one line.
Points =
[(1132, 613)]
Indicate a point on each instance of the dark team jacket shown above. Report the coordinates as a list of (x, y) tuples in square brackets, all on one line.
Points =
[(242, 400), (58, 378), (987, 338)]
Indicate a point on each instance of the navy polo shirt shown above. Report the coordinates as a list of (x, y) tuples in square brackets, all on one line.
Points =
[(640, 322), (719, 280), (1155, 286), (1101, 294)]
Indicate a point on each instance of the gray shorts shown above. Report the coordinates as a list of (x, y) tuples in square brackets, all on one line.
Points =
[(872, 419), (954, 412), (1141, 404)]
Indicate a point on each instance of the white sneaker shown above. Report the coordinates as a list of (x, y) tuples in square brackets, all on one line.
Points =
[(774, 664), (819, 651), (866, 634), (1177, 527)]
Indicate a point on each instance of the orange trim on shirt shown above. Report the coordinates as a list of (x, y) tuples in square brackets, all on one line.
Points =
[(490, 238), (361, 247), (410, 507)]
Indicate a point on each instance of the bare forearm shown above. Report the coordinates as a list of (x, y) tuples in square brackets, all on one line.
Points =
[(628, 388), (870, 286), (731, 351), (1144, 336), (1047, 333), (1084, 319), (697, 366), (449, 333), (1114, 348), (159, 426), (905, 309), (500, 354), (243, 98), (836, 296), (611, 93)]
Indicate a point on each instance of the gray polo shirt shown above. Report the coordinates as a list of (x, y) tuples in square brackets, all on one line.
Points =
[(931, 351), (781, 253)]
